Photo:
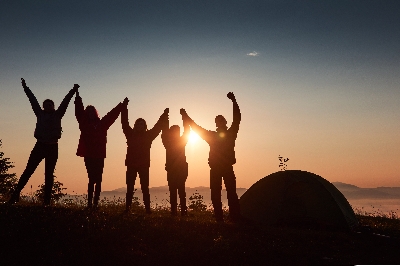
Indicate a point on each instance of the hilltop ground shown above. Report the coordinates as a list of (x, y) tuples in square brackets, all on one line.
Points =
[(32, 234)]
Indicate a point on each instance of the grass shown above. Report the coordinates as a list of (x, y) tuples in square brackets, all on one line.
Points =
[(68, 234)]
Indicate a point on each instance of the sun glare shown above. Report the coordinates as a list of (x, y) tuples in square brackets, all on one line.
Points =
[(193, 137)]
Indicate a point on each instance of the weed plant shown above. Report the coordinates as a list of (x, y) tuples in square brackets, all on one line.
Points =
[(377, 213), (283, 163), (385, 224), (197, 202)]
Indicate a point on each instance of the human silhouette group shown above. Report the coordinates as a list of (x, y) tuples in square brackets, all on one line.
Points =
[(92, 147)]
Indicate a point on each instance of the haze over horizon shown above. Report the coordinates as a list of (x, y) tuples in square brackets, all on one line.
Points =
[(317, 83)]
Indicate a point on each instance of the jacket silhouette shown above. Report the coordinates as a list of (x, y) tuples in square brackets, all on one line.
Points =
[(137, 161), (221, 159), (92, 143), (176, 165), (47, 133)]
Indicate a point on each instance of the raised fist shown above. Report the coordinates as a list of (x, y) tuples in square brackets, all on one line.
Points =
[(75, 88), (182, 111), (126, 101), (23, 83), (231, 96)]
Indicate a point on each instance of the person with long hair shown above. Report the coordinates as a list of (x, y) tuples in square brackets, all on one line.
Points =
[(139, 140), (92, 143), (47, 132)]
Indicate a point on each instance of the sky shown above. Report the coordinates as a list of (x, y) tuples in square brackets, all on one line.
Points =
[(317, 83)]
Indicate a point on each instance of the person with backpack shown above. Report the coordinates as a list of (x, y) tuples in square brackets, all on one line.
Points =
[(47, 133)]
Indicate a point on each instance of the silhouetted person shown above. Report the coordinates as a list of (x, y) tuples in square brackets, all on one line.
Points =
[(137, 161), (176, 165), (92, 142), (47, 132), (221, 159)]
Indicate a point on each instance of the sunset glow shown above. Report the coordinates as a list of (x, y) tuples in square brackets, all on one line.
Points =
[(193, 137)]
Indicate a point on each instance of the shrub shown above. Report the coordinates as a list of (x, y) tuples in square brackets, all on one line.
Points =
[(196, 202), (7, 181), (56, 191)]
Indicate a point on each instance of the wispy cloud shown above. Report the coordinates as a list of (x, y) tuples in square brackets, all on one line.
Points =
[(254, 53)]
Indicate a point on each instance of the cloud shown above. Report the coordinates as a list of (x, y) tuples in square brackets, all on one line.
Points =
[(254, 53)]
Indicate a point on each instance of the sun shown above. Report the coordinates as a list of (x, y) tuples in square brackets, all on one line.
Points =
[(193, 137)]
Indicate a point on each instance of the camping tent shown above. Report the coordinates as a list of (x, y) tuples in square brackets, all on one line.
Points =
[(297, 198)]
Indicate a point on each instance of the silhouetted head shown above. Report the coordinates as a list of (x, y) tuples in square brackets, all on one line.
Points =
[(48, 105), (140, 125), (175, 131), (220, 122), (92, 113)]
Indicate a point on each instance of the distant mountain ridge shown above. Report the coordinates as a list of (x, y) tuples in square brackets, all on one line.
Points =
[(344, 186), (160, 194), (348, 190), (162, 188), (354, 192)]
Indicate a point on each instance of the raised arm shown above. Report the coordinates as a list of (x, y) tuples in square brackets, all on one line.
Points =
[(162, 121), (32, 99), (203, 133), (165, 133), (124, 118), (111, 116), (64, 104), (236, 113), (79, 109), (186, 128)]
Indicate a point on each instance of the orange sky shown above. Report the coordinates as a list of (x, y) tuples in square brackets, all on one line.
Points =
[(361, 154)]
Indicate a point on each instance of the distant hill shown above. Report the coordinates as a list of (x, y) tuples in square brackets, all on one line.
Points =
[(160, 195), (344, 186), (161, 189), (351, 192), (354, 192), (390, 190), (166, 189)]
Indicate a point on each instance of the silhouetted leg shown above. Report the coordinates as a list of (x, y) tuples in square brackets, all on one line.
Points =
[(174, 200), (182, 196), (181, 188), (97, 194), (172, 193), (89, 170), (129, 196), (216, 187), (95, 172), (90, 193), (144, 183), (50, 164), (36, 156), (131, 174), (233, 200)]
